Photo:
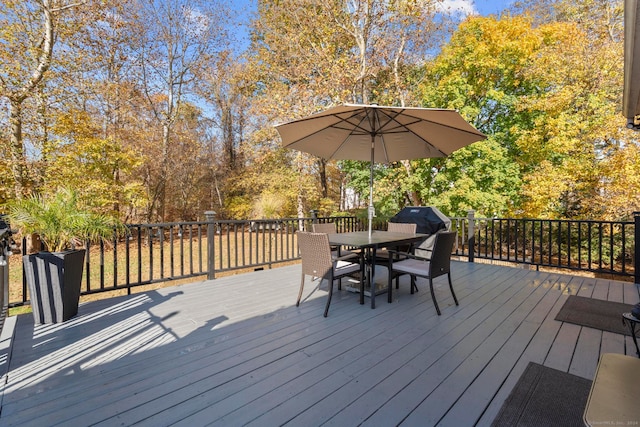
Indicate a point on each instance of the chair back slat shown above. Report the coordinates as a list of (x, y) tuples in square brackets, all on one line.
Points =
[(325, 227), (402, 227), (442, 249), (315, 253)]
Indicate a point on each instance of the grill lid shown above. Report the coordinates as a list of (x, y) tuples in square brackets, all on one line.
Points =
[(429, 220)]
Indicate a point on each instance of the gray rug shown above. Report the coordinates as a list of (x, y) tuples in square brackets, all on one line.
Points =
[(595, 313), (545, 397)]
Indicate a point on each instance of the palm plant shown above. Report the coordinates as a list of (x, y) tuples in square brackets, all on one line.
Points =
[(60, 220)]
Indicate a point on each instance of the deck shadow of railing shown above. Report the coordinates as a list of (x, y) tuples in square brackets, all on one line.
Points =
[(83, 349), (275, 356)]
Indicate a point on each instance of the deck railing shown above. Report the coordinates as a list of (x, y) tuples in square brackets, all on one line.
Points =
[(601, 247), (152, 253)]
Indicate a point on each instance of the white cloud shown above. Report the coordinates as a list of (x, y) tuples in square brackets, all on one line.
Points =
[(458, 7)]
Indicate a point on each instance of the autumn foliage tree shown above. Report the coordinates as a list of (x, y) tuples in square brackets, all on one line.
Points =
[(550, 95), (151, 110), (93, 164), (574, 115), (309, 55), (29, 30)]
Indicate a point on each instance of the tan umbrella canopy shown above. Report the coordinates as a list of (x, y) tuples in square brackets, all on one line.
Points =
[(379, 134)]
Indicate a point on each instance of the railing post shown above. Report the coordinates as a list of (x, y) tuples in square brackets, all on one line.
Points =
[(314, 217), (636, 261), (6, 250), (4, 284), (471, 234), (210, 217)]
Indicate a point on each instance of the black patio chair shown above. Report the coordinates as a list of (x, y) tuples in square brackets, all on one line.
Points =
[(437, 265)]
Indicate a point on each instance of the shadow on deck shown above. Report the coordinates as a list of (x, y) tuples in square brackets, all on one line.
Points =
[(236, 351)]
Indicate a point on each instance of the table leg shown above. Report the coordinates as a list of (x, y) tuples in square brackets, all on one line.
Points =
[(372, 282), (633, 334), (363, 276), (632, 328)]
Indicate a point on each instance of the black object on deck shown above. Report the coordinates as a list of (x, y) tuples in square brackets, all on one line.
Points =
[(426, 219)]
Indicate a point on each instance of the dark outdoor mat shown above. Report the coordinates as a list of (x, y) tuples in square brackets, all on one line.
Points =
[(545, 397), (595, 313)]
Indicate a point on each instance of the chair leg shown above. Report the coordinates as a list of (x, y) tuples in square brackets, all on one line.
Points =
[(300, 291), (414, 287), (362, 278), (433, 296), (389, 287), (451, 287), (326, 309)]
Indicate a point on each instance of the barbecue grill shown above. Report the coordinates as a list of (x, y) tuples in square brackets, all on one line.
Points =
[(428, 220)]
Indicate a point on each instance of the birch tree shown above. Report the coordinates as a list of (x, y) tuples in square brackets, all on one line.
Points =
[(30, 30)]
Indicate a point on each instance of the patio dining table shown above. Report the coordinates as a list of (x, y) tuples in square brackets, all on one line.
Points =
[(369, 244)]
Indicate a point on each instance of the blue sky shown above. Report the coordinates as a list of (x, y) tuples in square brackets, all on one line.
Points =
[(488, 7)]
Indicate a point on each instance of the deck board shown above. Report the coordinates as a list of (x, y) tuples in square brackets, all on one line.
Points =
[(511, 333), (237, 351), (423, 354), (473, 401)]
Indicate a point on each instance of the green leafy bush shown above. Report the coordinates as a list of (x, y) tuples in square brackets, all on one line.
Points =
[(61, 221)]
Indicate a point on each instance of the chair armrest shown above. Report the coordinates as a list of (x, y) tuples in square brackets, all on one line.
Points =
[(427, 250), (614, 391), (346, 257), (408, 255)]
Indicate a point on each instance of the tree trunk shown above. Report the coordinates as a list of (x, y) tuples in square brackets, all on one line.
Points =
[(412, 194), (228, 137), (18, 160), (17, 97), (162, 184), (322, 171)]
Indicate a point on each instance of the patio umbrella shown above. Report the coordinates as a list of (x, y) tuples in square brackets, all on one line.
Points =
[(379, 134)]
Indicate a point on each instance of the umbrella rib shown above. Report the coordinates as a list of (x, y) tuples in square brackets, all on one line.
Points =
[(351, 130), (378, 131), (419, 119)]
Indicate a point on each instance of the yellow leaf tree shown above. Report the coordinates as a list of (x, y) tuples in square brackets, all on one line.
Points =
[(28, 30)]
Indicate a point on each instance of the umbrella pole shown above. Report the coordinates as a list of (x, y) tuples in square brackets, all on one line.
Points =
[(371, 210)]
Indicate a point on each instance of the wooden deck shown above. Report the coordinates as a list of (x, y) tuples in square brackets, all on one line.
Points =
[(236, 351)]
